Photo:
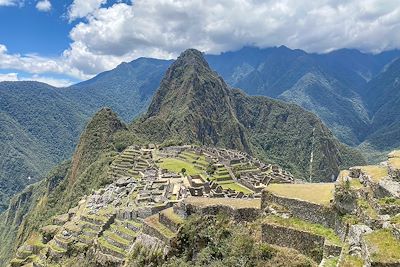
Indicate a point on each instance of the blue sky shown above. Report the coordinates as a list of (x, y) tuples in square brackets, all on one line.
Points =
[(62, 42)]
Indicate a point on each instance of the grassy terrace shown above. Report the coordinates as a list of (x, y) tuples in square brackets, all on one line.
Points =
[(169, 213), (105, 244), (376, 172), (234, 203), (384, 247), (318, 193), (394, 159), (155, 223), (176, 165), (234, 186), (298, 224)]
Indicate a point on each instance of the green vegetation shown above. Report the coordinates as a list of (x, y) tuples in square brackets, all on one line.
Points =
[(176, 165), (216, 241), (367, 208), (233, 202), (384, 247), (376, 172), (389, 201), (161, 228), (321, 193), (305, 226), (234, 186)]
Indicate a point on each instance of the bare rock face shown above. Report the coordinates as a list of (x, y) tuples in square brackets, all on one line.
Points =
[(354, 238)]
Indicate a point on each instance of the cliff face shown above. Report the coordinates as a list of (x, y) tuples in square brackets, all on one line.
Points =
[(194, 105)]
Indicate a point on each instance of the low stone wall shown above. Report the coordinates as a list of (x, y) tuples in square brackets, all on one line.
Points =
[(173, 226), (149, 230), (238, 214), (302, 209), (306, 243)]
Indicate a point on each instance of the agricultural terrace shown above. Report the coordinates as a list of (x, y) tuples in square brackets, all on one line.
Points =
[(376, 172), (318, 193)]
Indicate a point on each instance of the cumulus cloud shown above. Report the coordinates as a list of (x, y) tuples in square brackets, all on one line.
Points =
[(163, 28), (9, 2), (82, 8), (44, 79), (35, 64), (43, 5)]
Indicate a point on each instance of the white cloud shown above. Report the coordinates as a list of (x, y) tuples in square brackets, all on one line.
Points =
[(35, 64), (164, 28), (82, 8), (44, 79), (8, 77), (9, 2), (43, 5)]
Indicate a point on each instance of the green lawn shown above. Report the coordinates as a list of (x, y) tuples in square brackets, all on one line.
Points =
[(319, 193), (234, 186), (383, 246), (176, 165)]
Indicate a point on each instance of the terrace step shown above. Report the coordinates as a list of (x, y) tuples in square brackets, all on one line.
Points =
[(116, 240), (107, 248), (170, 219), (124, 232), (153, 227)]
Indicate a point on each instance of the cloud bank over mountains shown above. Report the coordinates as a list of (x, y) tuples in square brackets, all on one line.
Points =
[(106, 35)]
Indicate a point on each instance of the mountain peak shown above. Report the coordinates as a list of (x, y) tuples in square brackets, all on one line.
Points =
[(189, 79)]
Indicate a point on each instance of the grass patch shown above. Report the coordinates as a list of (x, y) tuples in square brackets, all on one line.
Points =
[(116, 237), (155, 223), (169, 213), (384, 247), (299, 224), (232, 202), (105, 244), (319, 193), (365, 206), (235, 186), (394, 159), (331, 262), (376, 172), (176, 166)]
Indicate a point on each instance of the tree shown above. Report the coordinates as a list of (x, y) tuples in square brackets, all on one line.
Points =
[(183, 171)]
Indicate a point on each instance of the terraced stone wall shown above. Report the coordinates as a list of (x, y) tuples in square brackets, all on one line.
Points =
[(311, 212), (306, 243), (238, 214)]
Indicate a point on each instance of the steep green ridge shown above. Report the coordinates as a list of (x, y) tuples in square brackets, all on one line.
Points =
[(64, 186), (383, 98), (38, 129), (194, 105)]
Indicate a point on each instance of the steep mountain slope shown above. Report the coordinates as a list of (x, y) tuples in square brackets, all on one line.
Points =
[(194, 105), (64, 186), (383, 98), (38, 129), (327, 84), (127, 89)]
